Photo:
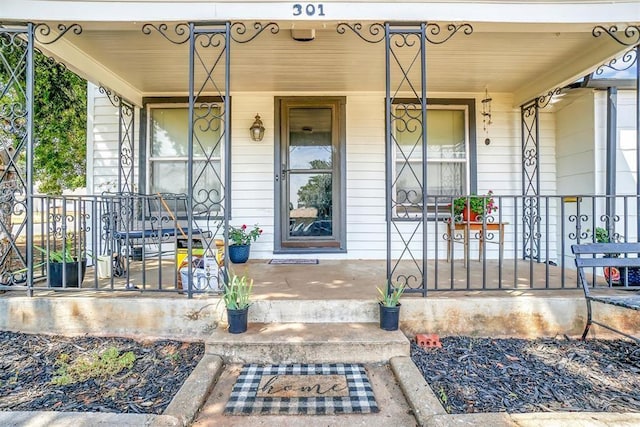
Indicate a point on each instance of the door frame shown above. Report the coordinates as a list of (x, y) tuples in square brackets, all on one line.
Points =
[(340, 163)]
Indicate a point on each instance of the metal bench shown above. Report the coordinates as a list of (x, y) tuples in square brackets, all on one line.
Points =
[(608, 255)]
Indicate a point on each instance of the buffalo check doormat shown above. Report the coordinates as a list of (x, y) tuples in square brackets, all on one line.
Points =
[(312, 389)]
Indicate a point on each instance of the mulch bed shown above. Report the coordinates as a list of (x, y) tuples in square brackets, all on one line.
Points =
[(28, 363), (545, 375)]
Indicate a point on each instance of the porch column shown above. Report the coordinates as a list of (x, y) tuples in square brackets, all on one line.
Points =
[(406, 207), (16, 153), (629, 36), (612, 148), (530, 116)]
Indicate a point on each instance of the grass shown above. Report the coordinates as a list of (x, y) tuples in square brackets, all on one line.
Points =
[(104, 365)]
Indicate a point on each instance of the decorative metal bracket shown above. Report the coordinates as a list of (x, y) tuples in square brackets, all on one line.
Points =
[(239, 31), (42, 32), (627, 61), (113, 97), (376, 31), (433, 34), (544, 100), (181, 30), (629, 37), (435, 31)]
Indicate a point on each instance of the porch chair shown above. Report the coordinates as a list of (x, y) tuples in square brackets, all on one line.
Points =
[(134, 220)]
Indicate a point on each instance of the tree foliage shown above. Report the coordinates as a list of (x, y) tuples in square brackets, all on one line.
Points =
[(318, 191), (59, 117)]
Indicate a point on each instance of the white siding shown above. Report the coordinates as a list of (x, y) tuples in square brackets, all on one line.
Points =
[(499, 166), (102, 161), (576, 147)]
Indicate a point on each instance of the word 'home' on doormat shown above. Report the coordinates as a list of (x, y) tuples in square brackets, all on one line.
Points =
[(312, 389)]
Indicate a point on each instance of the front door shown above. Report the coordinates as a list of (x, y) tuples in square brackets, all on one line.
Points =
[(309, 181)]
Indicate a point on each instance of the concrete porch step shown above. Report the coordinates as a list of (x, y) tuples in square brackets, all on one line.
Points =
[(308, 343)]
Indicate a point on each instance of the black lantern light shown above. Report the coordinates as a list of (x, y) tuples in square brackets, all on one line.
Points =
[(257, 129)]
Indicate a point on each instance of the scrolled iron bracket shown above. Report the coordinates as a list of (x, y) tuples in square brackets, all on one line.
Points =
[(181, 31), (629, 37), (544, 100), (627, 61), (42, 32), (375, 34), (113, 97), (434, 32), (50, 62), (239, 31)]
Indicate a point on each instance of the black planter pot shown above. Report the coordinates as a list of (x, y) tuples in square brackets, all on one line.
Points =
[(239, 254), (237, 320), (389, 317), (72, 270)]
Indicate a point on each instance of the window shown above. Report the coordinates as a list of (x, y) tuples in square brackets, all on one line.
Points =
[(168, 153), (448, 155)]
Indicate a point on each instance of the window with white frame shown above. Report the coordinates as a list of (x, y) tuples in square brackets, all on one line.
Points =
[(168, 126), (448, 156)]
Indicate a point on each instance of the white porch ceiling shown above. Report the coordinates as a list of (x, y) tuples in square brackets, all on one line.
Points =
[(520, 59)]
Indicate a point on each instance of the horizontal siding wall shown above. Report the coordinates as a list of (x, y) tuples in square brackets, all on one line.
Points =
[(102, 164), (499, 167)]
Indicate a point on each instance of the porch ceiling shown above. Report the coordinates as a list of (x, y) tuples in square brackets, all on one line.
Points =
[(521, 59)]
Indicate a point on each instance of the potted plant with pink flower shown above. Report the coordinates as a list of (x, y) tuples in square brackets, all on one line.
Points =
[(240, 239), (474, 207)]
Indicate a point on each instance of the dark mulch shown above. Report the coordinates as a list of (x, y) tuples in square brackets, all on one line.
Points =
[(516, 375), (28, 364)]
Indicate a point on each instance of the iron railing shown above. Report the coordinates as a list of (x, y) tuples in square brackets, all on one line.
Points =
[(137, 242)]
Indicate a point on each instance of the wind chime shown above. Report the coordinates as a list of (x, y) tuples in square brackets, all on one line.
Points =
[(486, 116)]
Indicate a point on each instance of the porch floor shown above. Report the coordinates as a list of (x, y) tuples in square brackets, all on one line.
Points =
[(355, 279)]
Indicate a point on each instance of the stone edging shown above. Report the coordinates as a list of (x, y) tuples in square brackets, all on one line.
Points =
[(195, 390)]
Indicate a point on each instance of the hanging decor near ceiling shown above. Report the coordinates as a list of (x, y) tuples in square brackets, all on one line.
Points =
[(486, 115)]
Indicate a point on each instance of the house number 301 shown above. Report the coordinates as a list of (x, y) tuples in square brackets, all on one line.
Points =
[(308, 9)]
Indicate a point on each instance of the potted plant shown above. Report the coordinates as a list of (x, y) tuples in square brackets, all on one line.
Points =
[(236, 296), (630, 275), (241, 239), (63, 260), (472, 207), (389, 303)]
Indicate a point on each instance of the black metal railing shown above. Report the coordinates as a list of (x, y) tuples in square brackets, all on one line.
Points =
[(138, 242), (522, 242), (118, 241)]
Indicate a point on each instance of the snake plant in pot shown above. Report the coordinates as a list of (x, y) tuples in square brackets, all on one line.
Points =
[(389, 303), (236, 297), (63, 268)]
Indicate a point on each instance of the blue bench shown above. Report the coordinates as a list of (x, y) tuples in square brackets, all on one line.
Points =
[(608, 255)]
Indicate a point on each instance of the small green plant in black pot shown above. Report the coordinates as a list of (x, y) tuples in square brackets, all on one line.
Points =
[(236, 297), (63, 268), (389, 302)]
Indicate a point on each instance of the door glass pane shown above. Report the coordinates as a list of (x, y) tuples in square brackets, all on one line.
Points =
[(310, 204), (310, 138)]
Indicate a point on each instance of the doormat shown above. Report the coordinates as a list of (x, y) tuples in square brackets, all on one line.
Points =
[(293, 261), (311, 389)]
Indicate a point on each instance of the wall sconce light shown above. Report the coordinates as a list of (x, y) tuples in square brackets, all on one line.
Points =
[(257, 129), (486, 115)]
